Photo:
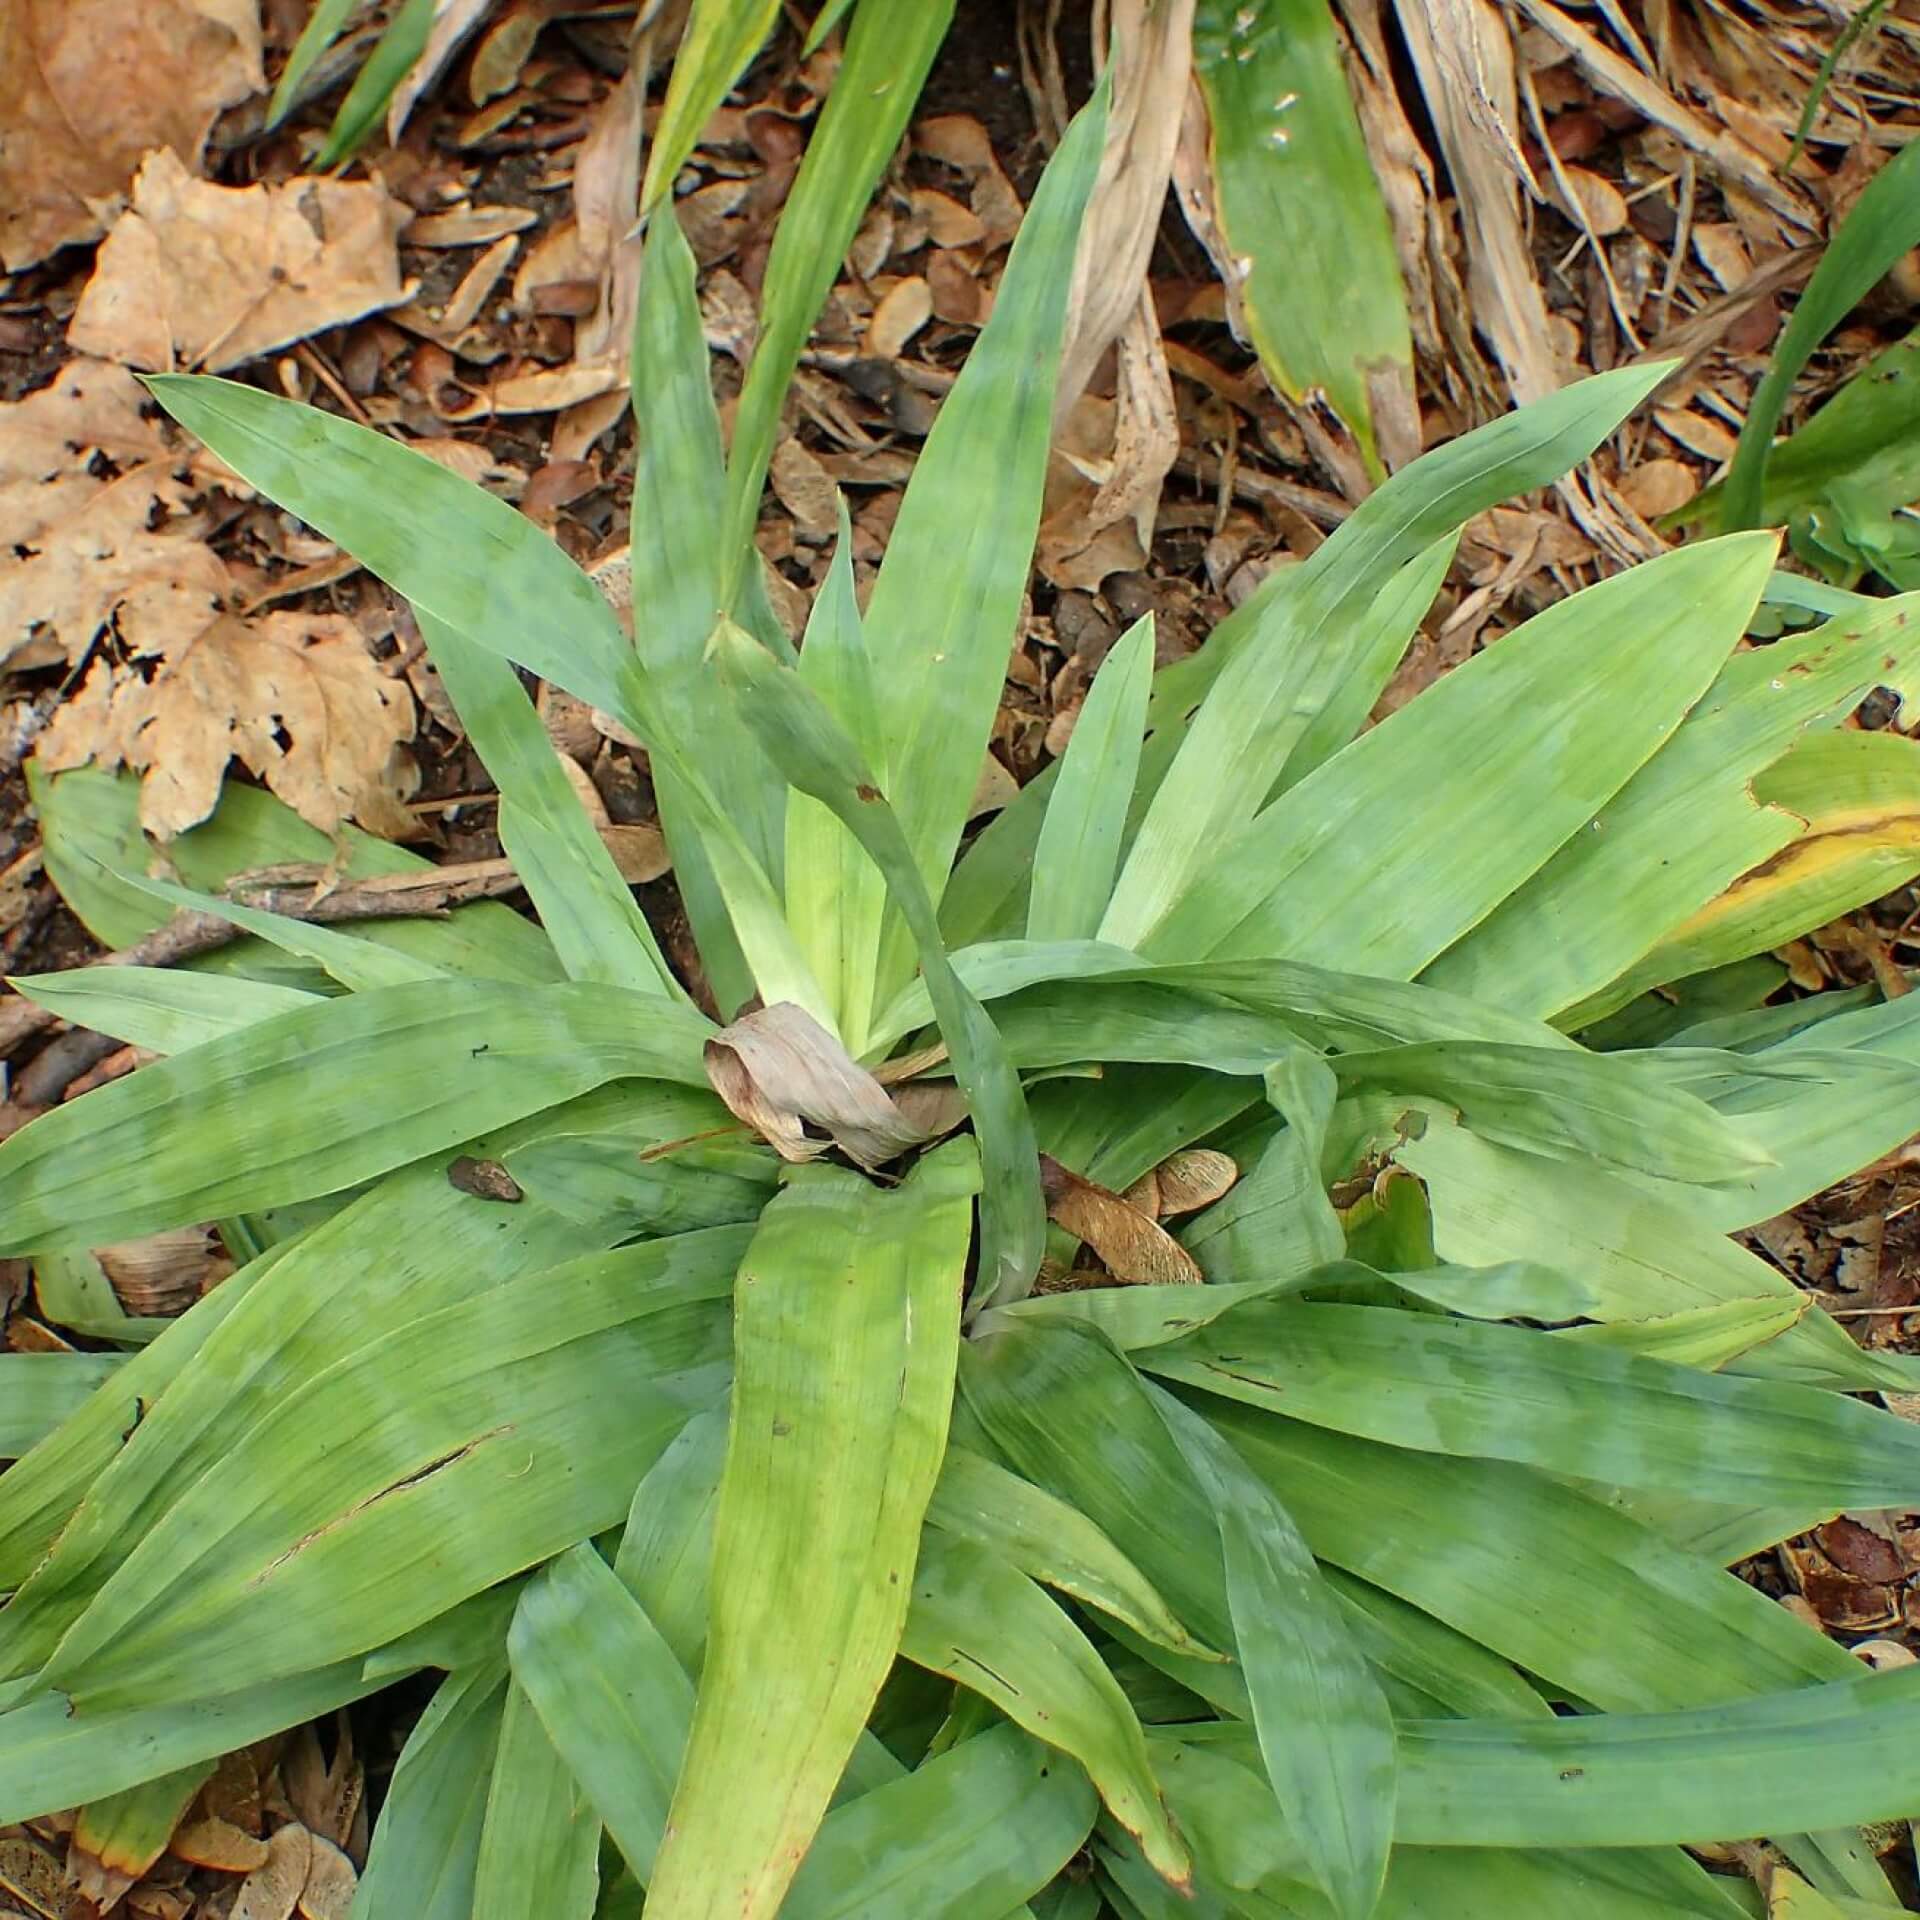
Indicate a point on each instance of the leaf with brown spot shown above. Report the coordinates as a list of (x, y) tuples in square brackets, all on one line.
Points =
[(779, 1069), (207, 277), (89, 86), (1134, 1247)]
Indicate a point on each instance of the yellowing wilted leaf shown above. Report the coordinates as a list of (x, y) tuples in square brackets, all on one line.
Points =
[(204, 276)]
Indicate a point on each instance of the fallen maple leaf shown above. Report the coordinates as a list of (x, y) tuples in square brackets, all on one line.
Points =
[(89, 86), (101, 544), (90, 491), (197, 275), (295, 697)]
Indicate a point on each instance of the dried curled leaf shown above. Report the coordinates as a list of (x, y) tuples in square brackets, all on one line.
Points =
[(1132, 1245), (218, 1844), (781, 1071)]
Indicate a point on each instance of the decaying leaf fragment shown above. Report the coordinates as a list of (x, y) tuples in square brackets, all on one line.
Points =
[(1132, 1245), (780, 1071)]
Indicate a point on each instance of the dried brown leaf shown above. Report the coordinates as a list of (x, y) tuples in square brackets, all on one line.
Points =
[(331, 1882), (273, 1889), (202, 276), (948, 223), (1193, 1178), (1658, 486), (469, 226), (219, 1844), (805, 488), (906, 307), (87, 87), (296, 697), (780, 1070), (165, 1273), (1132, 1246)]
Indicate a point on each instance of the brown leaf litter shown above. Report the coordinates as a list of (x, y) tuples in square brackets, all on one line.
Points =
[(107, 568), (205, 277), (89, 87)]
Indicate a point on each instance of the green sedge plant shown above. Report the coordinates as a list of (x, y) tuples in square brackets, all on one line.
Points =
[(779, 1546)]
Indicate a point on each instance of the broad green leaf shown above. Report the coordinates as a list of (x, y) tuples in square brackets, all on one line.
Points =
[(884, 65), (1344, 1011), (1324, 1730), (52, 1758), (40, 1390), (716, 47), (981, 1622), (91, 826), (540, 1838), (835, 896), (969, 1833), (1414, 1648), (1294, 644), (163, 1009), (1829, 1756), (412, 1246), (426, 1843), (1078, 851), (1040, 1392), (608, 1690), (473, 1442), (1645, 1253), (602, 1178), (947, 599), (1881, 226), (466, 1635), (1120, 1125), (1857, 795), (457, 552), (1596, 712), (677, 559), (1861, 1100), (1592, 1107), (39, 1493), (585, 906), (73, 1292), (1560, 1584), (987, 891), (1683, 829), (1468, 1387), (1051, 1542), (815, 753), (1301, 214), (667, 1544), (846, 1327), (1706, 1337), (1277, 1223), (380, 73), (323, 1097)]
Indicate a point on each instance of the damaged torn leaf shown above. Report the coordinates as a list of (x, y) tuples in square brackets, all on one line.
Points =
[(1134, 1247), (203, 276), (296, 697), (779, 1069), (89, 86)]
